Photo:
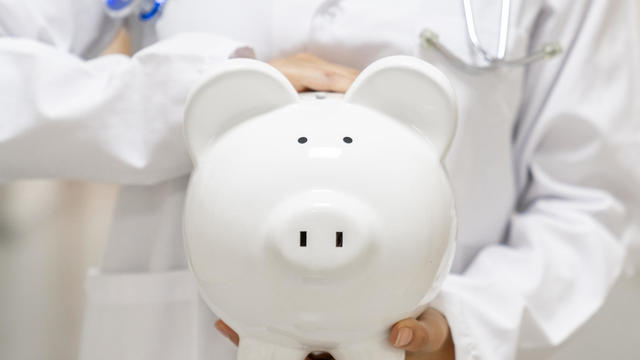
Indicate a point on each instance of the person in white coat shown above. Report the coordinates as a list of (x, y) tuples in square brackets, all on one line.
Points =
[(543, 167)]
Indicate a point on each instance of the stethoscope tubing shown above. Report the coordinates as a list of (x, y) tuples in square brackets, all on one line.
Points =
[(430, 39)]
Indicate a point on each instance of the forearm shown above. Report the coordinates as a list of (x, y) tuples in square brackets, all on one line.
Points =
[(114, 118)]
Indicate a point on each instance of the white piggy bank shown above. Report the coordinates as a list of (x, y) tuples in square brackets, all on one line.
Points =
[(315, 223)]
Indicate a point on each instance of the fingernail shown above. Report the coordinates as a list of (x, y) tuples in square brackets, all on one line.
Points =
[(404, 337)]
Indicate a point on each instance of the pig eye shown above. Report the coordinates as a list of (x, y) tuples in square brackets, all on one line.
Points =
[(347, 140), (302, 140)]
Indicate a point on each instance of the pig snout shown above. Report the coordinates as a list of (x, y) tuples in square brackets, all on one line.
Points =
[(322, 234)]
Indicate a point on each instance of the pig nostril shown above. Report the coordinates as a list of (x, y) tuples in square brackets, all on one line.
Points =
[(339, 239), (303, 239)]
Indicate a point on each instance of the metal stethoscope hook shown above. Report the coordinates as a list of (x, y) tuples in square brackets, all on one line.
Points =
[(431, 39)]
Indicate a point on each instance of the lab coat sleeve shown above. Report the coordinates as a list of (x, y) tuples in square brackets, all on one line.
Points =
[(112, 119), (577, 144)]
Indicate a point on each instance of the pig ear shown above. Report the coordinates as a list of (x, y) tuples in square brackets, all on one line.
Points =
[(412, 91), (231, 92)]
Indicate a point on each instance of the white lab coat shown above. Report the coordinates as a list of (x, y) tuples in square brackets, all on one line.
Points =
[(543, 167)]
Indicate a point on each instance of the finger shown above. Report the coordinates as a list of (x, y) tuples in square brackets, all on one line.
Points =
[(325, 65), (330, 77), (427, 333), (228, 332), (293, 73), (437, 327), (332, 68), (340, 83), (408, 335), (312, 78), (306, 72), (320, 80)]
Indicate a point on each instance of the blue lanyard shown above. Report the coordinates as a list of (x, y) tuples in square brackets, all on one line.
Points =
[(149, 9)]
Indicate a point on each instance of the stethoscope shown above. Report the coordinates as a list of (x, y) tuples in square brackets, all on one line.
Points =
[(149, 9), (430, 39), (146, 9)]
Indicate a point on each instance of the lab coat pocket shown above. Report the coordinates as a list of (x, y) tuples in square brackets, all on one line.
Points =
[(140, 316)]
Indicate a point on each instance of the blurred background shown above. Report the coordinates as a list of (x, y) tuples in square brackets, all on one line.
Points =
[(51, 232)]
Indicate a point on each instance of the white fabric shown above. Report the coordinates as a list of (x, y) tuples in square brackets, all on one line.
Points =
[(575, 152), (543, 166)]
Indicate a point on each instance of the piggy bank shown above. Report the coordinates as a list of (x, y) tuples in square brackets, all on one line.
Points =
[(315, 222)]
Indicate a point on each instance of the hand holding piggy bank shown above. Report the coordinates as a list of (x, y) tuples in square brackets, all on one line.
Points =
[(315, 223)]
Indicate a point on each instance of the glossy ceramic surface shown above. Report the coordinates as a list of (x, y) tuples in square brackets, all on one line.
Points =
[(314, 223)]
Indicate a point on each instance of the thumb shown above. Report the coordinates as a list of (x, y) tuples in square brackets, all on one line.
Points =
[(427, 333)]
